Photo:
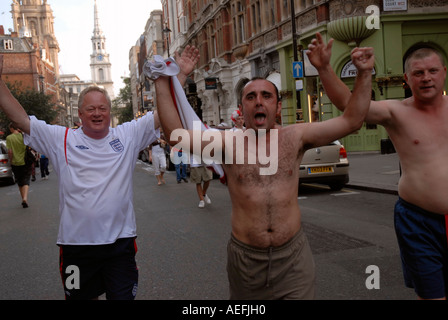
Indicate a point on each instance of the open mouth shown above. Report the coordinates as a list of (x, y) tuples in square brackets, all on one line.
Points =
[(260, 118)]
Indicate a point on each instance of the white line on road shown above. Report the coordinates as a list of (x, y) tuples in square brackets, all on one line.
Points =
[(349, 193)]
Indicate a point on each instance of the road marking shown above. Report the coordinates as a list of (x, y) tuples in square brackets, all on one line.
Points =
[(345, 193)]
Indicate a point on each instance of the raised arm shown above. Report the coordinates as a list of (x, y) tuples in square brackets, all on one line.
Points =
[(11, 107), (166, 110), (321, 133), (319, 54)]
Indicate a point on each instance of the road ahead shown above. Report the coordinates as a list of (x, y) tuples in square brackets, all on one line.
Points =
[(182, 249)]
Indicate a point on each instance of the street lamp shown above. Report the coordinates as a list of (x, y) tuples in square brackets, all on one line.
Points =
[(166, 32), (294, 45)]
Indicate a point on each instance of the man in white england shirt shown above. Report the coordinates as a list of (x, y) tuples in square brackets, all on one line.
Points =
[(95, 165)]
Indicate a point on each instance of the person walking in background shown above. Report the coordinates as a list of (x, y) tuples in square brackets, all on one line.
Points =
[(201, 176), (44, 162), (238, 120), (16, 153), (158, 158), (35, 164), (180, 165)]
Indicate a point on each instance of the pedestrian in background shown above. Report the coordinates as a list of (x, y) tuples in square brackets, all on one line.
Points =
[(35, 164), (158, 158), (201, 176), (21, 170), (44, 162), (180, 164), (238, 120)]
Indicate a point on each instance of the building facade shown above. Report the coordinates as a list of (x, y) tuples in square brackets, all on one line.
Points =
[(240, 39), (34, 19), (26, 65)]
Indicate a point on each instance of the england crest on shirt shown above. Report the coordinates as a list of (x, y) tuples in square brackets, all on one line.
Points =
[(116, 145)]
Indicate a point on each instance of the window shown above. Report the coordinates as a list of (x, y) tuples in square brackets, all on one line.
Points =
[(269, 13), (101, 74), (256, 17), (238, 24), (8, 44), (286, 12)]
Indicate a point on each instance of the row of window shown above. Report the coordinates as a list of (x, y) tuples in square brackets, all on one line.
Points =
[(249, 21)]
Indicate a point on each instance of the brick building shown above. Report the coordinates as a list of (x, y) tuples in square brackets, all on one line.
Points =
[(239, 39), (26, 65)]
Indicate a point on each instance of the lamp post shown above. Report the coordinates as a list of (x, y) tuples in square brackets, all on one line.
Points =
[(294, 45), (166, 32)]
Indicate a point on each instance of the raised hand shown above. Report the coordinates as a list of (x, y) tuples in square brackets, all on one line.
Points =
[(363, 58), (188, 59), (319, 53)]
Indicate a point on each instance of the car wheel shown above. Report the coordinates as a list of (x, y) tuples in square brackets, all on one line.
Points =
[(336, 186)]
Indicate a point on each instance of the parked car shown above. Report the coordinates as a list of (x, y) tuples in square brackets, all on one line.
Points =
[(5, 165), (327, 165)]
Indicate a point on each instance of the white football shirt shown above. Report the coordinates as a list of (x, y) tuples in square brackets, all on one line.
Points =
[(95, 178)]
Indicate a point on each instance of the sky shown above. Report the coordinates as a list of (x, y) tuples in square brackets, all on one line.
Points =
[(122, 23)]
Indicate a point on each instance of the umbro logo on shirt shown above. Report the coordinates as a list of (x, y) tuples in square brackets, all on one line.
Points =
[(82, 147)]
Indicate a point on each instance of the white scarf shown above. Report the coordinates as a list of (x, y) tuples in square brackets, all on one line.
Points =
[(169, 67)]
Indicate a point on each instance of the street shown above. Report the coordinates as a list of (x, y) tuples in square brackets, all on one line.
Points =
[(182, 248)]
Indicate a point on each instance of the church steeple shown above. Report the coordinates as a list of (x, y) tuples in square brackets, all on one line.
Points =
[(100, 65)]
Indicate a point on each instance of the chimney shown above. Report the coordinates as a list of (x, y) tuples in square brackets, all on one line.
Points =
[(2, 30)]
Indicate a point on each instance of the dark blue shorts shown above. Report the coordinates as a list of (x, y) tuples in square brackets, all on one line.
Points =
[(424, 250), (88, 271)]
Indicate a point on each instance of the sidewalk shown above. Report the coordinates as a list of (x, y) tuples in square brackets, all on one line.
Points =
[(374, 171)]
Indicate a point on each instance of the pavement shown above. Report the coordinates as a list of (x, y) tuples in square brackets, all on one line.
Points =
[(374, 171)]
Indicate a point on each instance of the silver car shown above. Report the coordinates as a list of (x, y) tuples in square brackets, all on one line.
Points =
[(325, 165), (5, 165)]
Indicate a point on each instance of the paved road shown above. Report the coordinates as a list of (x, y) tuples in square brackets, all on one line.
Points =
[(182, 249)]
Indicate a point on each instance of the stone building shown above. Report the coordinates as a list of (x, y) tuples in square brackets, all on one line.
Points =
[(34, 19), (239, 39)]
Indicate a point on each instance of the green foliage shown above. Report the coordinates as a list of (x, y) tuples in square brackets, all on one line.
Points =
[(122, 105), (35, 103)]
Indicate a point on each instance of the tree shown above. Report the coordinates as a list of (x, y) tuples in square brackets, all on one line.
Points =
[(35, 103), (122, 105)]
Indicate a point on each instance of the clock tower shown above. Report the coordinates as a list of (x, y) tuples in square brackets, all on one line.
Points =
[(100, 65)]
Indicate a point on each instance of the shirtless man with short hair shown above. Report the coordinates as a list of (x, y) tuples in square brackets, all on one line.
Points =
[(266, 223), (418, 128)]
